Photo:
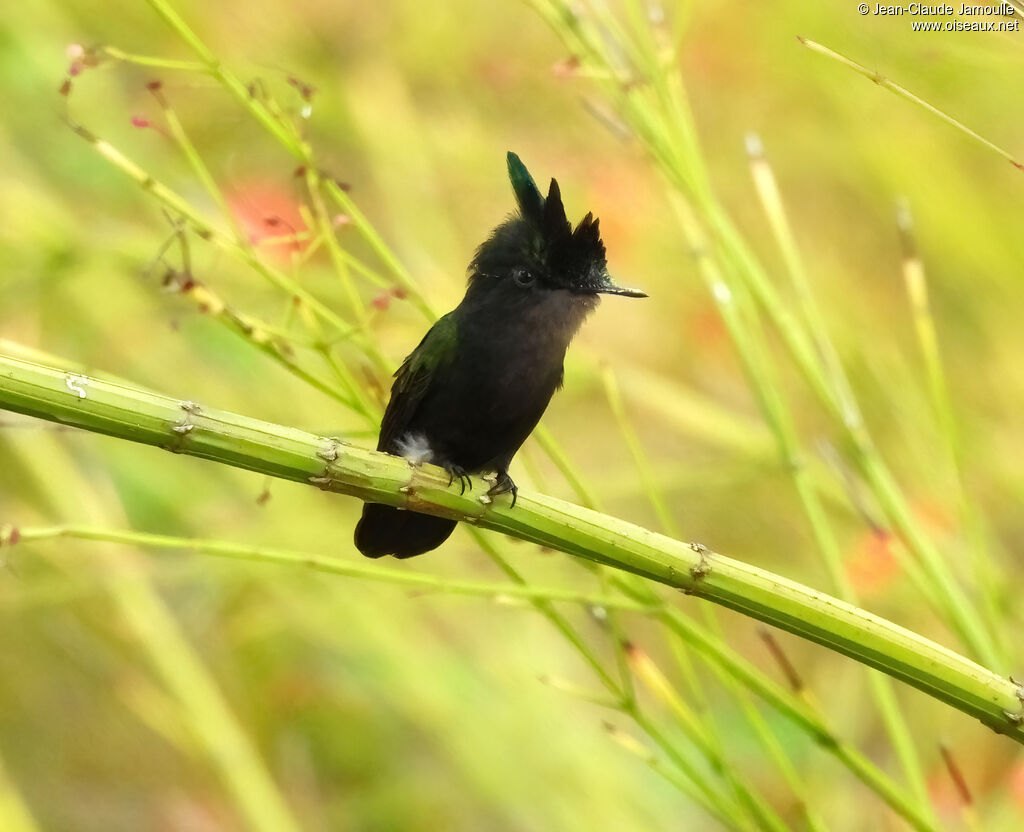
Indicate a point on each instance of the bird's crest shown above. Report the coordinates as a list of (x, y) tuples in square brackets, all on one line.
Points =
[(565, 247), (531, 203)]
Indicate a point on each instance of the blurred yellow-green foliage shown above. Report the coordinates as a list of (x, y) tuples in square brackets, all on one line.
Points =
[(378, 710)]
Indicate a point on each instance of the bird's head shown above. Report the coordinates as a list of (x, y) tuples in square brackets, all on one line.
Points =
[(536, 249)]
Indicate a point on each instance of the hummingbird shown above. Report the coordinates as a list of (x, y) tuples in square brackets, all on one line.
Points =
[(478, 383)]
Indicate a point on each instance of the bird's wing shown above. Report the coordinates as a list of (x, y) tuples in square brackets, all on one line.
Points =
[(413, 378)]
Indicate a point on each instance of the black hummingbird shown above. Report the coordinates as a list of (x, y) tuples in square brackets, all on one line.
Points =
[(481, 378)]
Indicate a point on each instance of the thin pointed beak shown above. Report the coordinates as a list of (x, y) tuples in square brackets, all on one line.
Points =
[(607, 287)]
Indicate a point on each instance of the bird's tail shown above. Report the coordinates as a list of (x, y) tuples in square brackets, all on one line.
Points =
[(384, 530)]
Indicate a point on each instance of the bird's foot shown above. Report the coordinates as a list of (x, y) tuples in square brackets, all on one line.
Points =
[(503, 485), (457, 472)]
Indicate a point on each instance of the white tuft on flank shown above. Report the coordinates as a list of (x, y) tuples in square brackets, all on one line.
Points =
[(415, 448)]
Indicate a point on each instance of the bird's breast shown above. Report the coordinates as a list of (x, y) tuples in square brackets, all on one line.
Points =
[(507, 367)]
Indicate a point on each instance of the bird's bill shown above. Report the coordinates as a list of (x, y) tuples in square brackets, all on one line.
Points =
[(606, 286)]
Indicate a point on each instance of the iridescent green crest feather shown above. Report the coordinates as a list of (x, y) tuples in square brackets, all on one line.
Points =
[(531, 203)]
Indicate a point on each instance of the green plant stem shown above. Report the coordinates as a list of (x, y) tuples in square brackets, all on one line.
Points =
[(757, 723), (985, 570), (195, 160), (789, 446), (425, 584), (152, 62), (271, 344), (704, 787), (696, 788), (800, 713), (907, 95), (727, 820), (726, 662), (185, 427), (704, 739), (629, 436), (340, 198), (213, 66), (326, 229)]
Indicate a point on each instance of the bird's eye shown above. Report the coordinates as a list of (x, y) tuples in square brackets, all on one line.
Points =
[(523, 278)]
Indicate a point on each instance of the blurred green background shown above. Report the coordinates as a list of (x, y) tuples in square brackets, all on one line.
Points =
[(378, 709)]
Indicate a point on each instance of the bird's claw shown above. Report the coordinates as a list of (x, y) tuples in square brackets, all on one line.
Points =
[(503, 484), (457, 472)]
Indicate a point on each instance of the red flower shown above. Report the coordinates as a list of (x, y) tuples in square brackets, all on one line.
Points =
[(267, 210), (873, 565)]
